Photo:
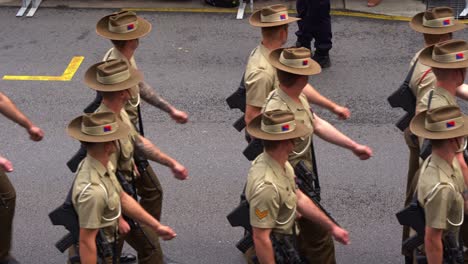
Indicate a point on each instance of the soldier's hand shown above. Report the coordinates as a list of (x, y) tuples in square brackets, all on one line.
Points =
[(165, 232), (340, 235), (363, 152), (179, 116), (35, 133), (6, 164), (179, 171), (124, 227), (342, 112)]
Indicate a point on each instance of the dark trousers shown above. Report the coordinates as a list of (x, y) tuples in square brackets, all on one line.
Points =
[(150, 191), (413, 172), (7, 211), (315, 243), (315, 24)]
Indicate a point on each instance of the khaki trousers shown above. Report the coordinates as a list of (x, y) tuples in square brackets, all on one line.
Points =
[(7, 211), (315, 243), (413, 172), (150, 191)]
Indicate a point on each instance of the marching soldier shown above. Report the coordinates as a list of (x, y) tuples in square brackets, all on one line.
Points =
[(124, 29), (441, 188), (271, 189), (293, 66), (260, 76), (431, 24), (97, 196), (115, 80), (7, 191)]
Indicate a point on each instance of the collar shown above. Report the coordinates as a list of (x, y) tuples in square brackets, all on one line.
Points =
[(274, 164), (443, 165), (105, 108), (264, 51), (289, 101), (101, 170), (444, 92), (119, 55)]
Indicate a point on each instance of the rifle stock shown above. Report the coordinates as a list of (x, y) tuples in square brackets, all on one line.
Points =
[(73, 163), (254, 149), (405, 99)]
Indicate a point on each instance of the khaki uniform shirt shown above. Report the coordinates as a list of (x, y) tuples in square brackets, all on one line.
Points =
[(96, 197), (279, 100), (260, 77), (440, 189), (440, 97), (271, 193), (122, 159), (422, 81), (111, 54)]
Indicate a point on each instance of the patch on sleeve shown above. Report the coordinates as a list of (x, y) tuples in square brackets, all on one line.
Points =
[(261, 214)]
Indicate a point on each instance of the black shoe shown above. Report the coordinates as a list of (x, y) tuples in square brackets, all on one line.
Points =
[(126, 258), (323, 60)]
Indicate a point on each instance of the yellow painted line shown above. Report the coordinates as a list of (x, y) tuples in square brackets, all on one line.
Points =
[(292, 11), (66, 76)]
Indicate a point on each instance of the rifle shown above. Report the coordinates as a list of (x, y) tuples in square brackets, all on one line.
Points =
[(413, 216), (91, 108), (237, 100), (304, 180), (3, 203), (254, 149), (404, 98), (65, 215), (284, 249)]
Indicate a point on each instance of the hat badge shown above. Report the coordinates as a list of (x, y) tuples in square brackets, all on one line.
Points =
[(107, 128), (459, 56), (450, 124), (131, 26), (285, 128), (283, 17)]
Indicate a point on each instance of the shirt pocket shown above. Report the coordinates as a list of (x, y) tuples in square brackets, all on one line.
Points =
[(287, 212), (113, 209), (455, 214)]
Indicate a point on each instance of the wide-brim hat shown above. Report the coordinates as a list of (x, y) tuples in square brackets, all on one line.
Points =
[(112, 76), (277, 125), (438, 20), (450, 54), (97, 127), (294, 60), (271, 16), (440, 123), (125, 25)]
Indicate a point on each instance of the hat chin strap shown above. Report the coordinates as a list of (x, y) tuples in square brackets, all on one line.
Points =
[(137, 103)]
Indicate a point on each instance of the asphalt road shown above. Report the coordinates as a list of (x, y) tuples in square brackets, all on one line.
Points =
[(196, 61)]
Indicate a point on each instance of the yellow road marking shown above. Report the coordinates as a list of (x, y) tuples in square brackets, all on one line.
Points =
[(234, 10), (66, 76)]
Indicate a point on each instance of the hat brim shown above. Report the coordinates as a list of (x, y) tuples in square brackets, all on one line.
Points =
[(312, 69), (254, 129), (143, 28), (256, 21), (416, 24), (90, 80), (74, 131), (417, 127), (426, 58)]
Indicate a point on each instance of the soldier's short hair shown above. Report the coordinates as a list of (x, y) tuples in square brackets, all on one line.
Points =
[(287, 78), (272, 32), (119, 43)]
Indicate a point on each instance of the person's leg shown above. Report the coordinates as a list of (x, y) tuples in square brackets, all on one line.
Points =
[(151, 194), (7, 212), (143, 240), (315, 243), (321, 31), (413, 166), (304, 36)]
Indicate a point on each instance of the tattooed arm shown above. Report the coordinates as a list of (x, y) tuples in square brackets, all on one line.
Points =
[(150, 96), (153, 153)]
